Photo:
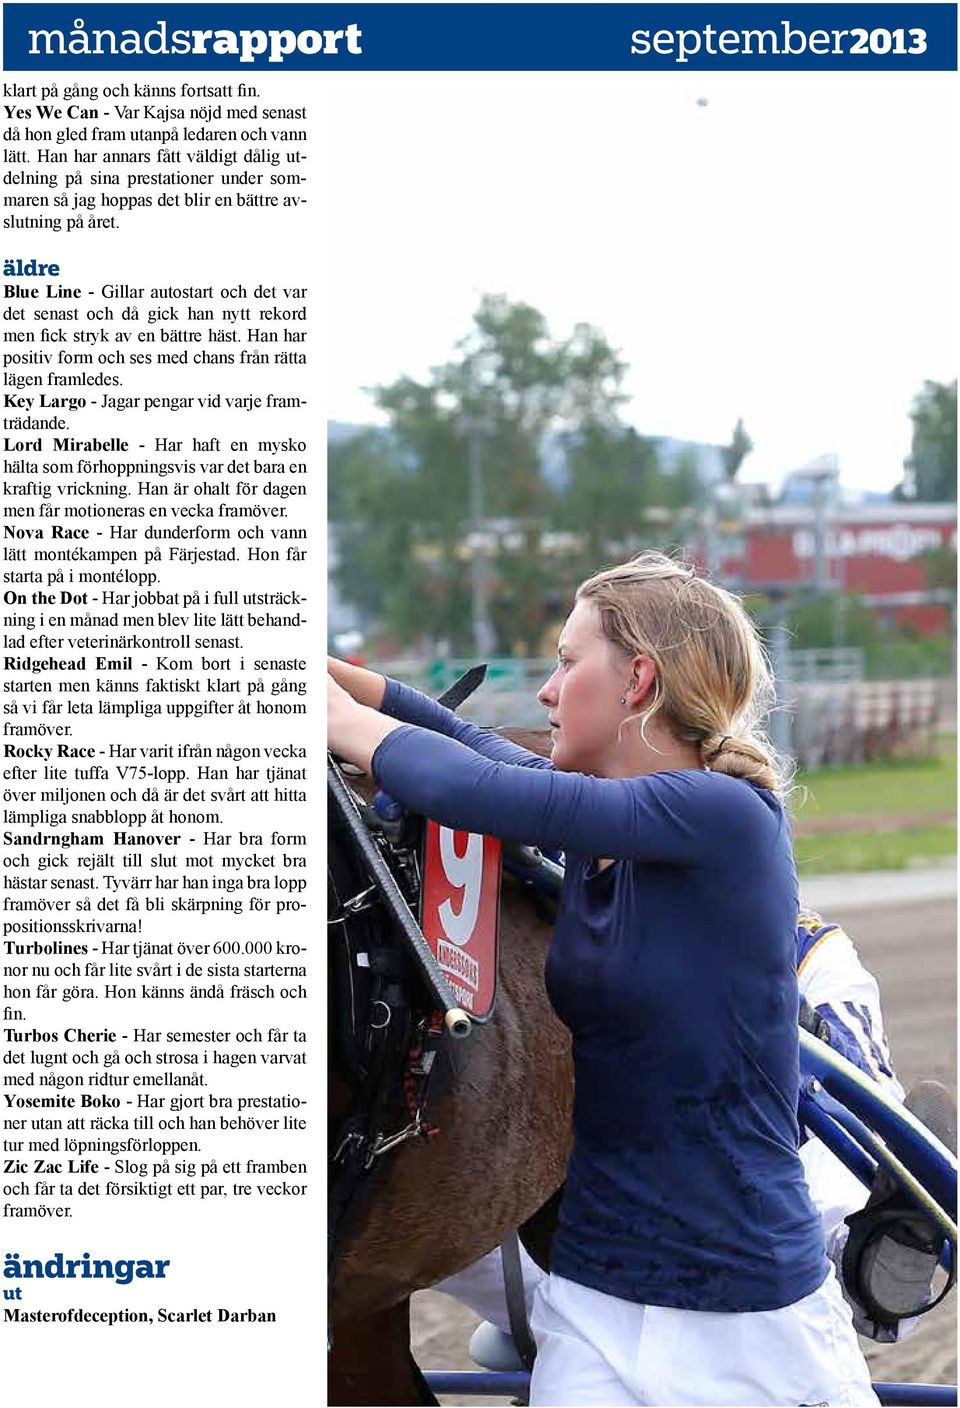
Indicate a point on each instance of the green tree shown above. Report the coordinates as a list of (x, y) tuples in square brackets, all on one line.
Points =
[(816, 623), (736, 452), (403, 501), (931, 467), (940, 569), (365, 483), (613, 488)]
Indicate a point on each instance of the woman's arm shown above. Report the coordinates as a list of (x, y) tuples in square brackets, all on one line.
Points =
[(409, 706), (846, 995), (365, 686), (681, 817), (355, 731), (412, 707)]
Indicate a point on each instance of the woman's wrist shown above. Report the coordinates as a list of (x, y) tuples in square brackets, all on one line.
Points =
[(355, 731), (365, 686), (371, 729)]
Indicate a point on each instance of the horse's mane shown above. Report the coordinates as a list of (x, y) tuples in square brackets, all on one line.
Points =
[(536, 740)]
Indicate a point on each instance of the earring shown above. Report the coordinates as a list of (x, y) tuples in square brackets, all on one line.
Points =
[(623, 702)]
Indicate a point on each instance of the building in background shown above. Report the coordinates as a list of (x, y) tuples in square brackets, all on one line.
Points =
[(876, 550), (809, 539)]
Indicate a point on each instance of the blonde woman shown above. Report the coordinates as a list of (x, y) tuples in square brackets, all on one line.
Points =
[(689, 1265)]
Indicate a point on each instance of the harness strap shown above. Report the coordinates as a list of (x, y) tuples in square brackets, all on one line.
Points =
[(351, 1160), (517, 1300), (463, 687)]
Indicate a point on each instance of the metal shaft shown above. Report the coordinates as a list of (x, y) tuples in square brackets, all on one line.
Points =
[(455, 1019)]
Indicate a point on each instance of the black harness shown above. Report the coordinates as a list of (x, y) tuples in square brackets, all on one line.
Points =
[(392, 1007), (386, 1025)]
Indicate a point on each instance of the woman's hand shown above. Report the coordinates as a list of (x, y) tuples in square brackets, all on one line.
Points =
[(354, 732), (365, 686), (341, 708)]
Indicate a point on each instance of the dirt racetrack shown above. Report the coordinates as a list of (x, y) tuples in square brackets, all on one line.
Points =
[(912, 951)]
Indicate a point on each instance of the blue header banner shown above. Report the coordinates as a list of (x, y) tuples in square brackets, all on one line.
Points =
[(469, 38)]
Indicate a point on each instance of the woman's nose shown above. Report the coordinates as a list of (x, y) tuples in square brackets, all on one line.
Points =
[(546, 694)]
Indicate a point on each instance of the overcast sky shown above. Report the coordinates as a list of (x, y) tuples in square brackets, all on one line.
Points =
[(785, 252)]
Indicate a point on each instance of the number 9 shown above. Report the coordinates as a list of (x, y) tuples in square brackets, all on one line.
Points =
[(464, 873)]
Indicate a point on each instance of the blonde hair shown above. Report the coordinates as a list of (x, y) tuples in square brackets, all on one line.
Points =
[(713, 686)]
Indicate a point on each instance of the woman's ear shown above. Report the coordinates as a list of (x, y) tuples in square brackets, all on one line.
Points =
[(643, 678)]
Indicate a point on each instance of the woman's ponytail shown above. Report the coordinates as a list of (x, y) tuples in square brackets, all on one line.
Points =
[(741, 757)]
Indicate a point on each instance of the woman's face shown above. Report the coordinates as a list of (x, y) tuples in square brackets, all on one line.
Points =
[(583, 696)]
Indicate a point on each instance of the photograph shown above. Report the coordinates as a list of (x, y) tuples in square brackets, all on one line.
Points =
[(642, 714)]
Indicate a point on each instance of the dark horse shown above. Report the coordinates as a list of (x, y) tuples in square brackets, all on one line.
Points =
[(502, 1101)]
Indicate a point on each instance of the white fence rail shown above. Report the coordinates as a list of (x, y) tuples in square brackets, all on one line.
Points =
[(862, 720)]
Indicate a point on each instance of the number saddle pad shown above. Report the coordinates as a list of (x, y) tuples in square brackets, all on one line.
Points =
[(460, 912)]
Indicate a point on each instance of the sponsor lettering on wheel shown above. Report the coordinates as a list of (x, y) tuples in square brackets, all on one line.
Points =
[(461, 911)]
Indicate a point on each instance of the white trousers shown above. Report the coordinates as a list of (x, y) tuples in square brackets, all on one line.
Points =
[(834, 1189), (480, 1287), (597, 1349)]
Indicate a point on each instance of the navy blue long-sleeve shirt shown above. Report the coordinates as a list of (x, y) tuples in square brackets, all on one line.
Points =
[(674, 969)]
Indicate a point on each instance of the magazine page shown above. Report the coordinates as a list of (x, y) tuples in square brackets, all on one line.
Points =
[(536, 280), (164, 1118)]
